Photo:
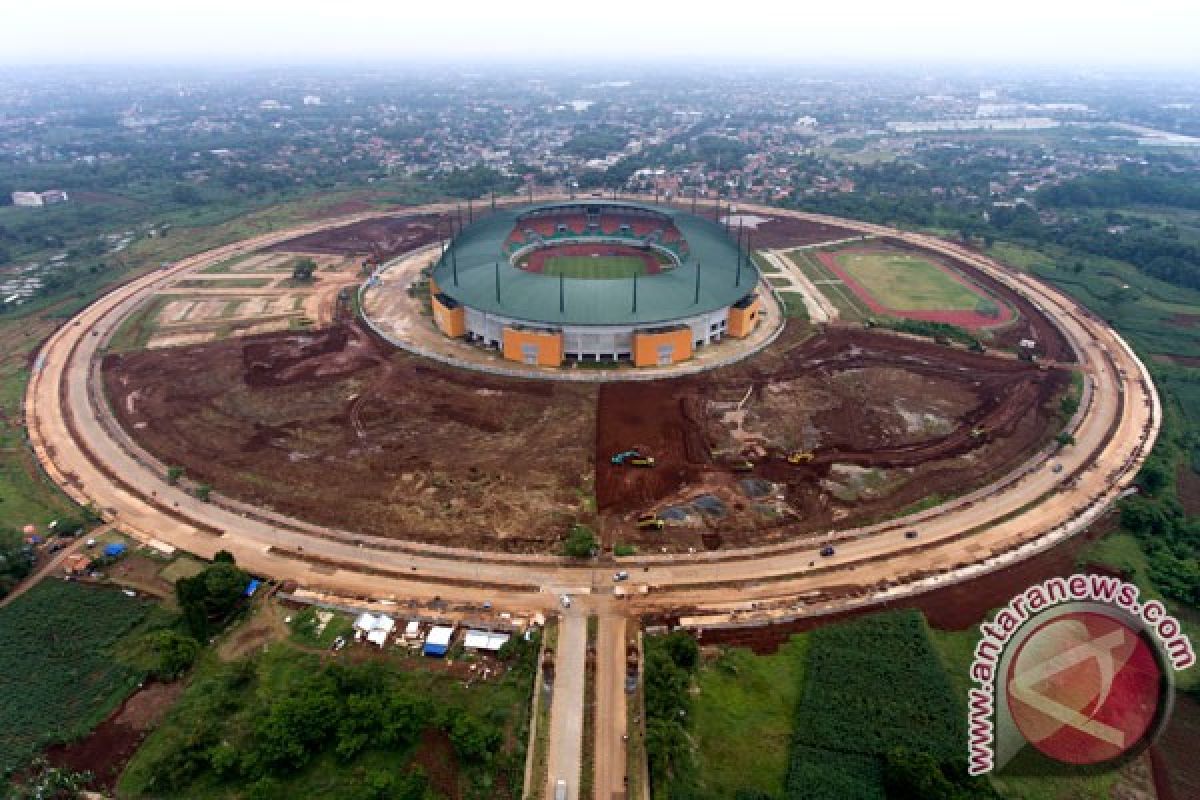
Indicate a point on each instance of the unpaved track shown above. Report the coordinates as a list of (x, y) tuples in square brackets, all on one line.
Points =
[(1014, 518), (1116, 432)]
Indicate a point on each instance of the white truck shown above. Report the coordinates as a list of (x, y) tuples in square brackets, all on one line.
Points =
[(560, 790)]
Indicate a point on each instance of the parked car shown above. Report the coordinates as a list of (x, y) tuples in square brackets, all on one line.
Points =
[(827, 550), (910, 534), (565, 600), (339, 643), (621, 576)]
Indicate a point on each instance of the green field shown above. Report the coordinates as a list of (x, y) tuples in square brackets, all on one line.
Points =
[(287, 723), (904, 282), (595, 267), (58, 673), (850, 308), (743, 719)]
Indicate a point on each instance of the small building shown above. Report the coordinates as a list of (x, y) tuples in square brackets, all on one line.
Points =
[(437, 644), (27, 199), (412, 630), (77, 564), (376, 629), (485, 640)]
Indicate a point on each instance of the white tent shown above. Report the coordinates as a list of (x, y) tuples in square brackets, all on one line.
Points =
[(412, 630), (484, 640), (365, 622), (377, 637)]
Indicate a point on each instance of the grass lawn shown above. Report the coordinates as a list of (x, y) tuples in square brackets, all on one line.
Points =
[(793, 306), (58, 673), (223, 283), (595, 268), (849, 307), (744, 716), (907, 283)]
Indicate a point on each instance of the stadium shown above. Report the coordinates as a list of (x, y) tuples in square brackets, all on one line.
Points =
[(595, 281)]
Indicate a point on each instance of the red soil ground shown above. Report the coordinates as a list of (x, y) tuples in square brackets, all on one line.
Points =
[(535, 261), (107, 749), (963, 318), (675, 422), (383, 237), (782, 232)]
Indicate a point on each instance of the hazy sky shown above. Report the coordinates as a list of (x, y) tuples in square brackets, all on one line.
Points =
[(1132, 33)]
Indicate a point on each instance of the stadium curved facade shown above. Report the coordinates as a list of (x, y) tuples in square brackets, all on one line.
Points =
[(595, 281)]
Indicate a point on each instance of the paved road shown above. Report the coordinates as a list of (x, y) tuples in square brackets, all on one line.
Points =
[(566, 705), (610, 766)]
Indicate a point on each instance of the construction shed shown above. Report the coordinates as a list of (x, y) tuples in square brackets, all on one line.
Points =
[(437, 643), (485, 640)]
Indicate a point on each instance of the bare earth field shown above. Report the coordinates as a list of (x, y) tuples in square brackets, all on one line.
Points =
[(339, 429), (889, 421)]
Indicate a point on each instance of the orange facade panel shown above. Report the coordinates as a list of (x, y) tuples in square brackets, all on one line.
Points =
[(662, 347), (743, 316), (449, 316), (543, 348)]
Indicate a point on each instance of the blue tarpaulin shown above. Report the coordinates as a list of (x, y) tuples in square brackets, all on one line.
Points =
[(115, 549), (251, 587)]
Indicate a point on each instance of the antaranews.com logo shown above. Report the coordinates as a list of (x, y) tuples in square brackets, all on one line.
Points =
[(1078, 668)]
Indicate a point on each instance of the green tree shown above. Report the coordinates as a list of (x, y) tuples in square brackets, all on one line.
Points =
[(581, 542), (174, 474)]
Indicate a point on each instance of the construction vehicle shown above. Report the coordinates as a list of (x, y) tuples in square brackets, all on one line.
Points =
[(649, 521), (634, 458), (742, 466), (799, 457)]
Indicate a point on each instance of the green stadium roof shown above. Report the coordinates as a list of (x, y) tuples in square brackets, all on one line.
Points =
[(533, 297)]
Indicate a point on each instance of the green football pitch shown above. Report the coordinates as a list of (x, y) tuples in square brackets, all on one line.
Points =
[(594, 267), (907, 283)]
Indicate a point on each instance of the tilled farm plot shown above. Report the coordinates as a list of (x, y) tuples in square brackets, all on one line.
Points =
[(337, 428), (888, 422)]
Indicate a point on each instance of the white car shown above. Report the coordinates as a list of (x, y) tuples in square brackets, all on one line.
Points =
[(565, 600), (621, 576), (560, 790)]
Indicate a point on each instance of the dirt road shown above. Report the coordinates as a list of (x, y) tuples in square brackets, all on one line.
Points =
[(1016, 517), (566, 704), (35, 577), (610, 763)]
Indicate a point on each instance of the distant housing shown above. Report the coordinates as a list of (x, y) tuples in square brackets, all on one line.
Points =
[(49, 197)]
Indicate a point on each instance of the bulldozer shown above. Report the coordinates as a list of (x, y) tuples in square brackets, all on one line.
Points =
[(633, 458)]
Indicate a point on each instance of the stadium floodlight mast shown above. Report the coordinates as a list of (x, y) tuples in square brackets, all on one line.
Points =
[(697, 298)]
